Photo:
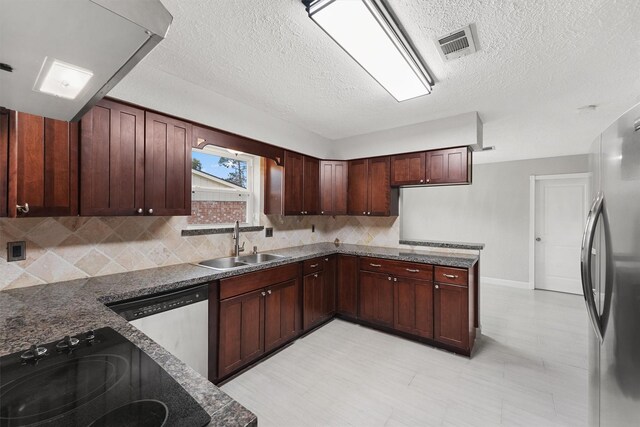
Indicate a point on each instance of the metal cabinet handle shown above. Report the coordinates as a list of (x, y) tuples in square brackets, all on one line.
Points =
[(428, 180), (269, 292), (389, 278), (395, 279), (597, 208), (315, 275), (326, 259), (263, 293), (422, 180), (412, 270), (368, 213), (450, 276), (150, 211), (437, 287), (375, 265), (23, 209), (313, 265), (139, 211), (364, 213)]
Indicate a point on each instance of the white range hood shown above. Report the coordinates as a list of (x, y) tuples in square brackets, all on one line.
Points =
[(101, 39)]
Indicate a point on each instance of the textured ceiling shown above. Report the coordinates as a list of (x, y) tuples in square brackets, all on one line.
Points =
[(538, 62)]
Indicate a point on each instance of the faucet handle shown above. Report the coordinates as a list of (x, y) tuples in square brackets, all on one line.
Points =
[(241, 248)]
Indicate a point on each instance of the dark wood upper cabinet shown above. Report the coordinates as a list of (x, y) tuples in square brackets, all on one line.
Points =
[(347, 285), (293, 183), (4, 161), (358, 181), (450, 166), (134, 162), (44, 155), (333, 187), (408, 169), (436, 167), (113, 160), (292, 189), (370, 192), (167, 166)]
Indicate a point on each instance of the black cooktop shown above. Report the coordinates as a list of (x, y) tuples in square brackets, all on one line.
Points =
[(95, 379)]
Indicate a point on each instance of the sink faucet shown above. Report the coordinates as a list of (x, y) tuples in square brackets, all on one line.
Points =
[(236, 240)]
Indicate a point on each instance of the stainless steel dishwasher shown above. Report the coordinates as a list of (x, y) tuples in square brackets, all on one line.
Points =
[(178, 321)]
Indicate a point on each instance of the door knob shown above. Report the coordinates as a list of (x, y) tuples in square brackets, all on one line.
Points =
[(139, 210), (538, 239), (150, 211)]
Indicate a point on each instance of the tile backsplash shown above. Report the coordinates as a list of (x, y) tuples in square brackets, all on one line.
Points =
[(68, 248)]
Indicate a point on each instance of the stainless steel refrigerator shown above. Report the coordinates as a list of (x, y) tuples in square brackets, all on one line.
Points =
[(610, 266)]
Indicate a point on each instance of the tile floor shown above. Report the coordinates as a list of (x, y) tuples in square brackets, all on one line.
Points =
[(529, 369)]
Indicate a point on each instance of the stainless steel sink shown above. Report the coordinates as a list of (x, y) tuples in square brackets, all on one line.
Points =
[(230, 263), (259, 258), (223, 263)]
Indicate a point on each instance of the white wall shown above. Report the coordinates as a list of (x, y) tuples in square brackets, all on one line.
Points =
[(463, 129), (160, 91), (493, 210)]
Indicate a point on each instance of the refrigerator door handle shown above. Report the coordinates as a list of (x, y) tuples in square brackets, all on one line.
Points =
[(585, 263)]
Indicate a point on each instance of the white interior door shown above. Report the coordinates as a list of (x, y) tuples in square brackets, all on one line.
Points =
[(560, 214)]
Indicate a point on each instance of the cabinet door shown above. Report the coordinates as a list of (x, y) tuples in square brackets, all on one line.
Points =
[(413, 306), (112, 167), (4, 161), (293, 179), (241, 330), (46, 159), (280, 314), (311, 186), (451, 315), (167, 166), (376, 298), (333, 187), (358, 187), (379, 188), (347, 285), (449, 166), (313, 299), (407, 169), (330, 266)]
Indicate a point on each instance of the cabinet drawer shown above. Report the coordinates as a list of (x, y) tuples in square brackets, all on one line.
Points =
[(455, 276), (312, 265), (244, 283), (397, 268)]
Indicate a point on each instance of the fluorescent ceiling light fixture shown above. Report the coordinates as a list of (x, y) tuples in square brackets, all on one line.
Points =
[(367, 32), (61, 79)]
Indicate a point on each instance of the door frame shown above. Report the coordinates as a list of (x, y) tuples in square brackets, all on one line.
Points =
[(532, 215)]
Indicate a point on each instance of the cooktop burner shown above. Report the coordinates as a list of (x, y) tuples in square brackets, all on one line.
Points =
[(97, 379)]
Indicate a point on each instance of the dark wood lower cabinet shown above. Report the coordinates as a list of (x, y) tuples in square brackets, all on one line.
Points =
[(262, 311), (241, 331), (347, 286), (376, 298), (451, 315), (280, 314), (413, 307), (313, 296)]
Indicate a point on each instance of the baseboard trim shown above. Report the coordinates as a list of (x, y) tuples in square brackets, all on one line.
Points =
[(505, 282)]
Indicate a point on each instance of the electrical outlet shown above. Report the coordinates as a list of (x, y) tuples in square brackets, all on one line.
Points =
[(16, 251), (268, 232), (313, 228)]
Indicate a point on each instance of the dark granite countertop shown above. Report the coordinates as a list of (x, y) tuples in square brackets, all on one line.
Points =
[(45, 312), (441, 244)]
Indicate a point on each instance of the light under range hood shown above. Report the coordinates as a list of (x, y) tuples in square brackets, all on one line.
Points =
[(103, 38)]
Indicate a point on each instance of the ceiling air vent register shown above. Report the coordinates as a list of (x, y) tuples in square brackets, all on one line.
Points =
[(456, 44)]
